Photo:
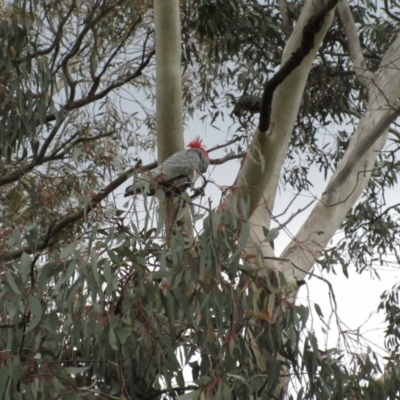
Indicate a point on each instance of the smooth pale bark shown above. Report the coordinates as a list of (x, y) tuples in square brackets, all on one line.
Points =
[(268, 150), (168, 78), (272, 147), (359, 64), (169, 96), (354, 171), (344, 188)]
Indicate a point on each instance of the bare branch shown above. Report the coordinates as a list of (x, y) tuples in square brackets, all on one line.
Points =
[(359, 115), (58, 34), (55, 156), (229, 142), (73, 217), (89, 25), (360, 66), (287, 26), (76, 48), (361, 149), (228, 157), (47, 142), (96, 80), (295, 214), (116, 84)]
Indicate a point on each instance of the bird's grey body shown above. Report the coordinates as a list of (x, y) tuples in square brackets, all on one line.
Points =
[(175, 174)]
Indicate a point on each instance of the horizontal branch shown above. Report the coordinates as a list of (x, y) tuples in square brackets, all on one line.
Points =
[(73, 217), (229, 142), (55, 155), (95, 200), (228, 157)]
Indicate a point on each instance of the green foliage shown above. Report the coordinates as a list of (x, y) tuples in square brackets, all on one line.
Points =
[(141, 311), (117, 320)]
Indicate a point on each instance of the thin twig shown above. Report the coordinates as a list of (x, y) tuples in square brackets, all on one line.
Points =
[(229, 142), (295, 214), (228, 157)]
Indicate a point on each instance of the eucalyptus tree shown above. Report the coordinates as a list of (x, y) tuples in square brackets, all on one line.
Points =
[(105, 299)]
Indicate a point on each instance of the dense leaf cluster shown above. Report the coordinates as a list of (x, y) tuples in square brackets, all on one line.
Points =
[(130, 314)]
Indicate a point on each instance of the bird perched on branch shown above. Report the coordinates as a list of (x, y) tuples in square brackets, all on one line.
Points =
[(247, 102), (176, 173)]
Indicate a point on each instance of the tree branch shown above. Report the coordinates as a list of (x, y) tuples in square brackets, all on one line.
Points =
[(359, 115), (57, 156), (313, 26), (228, 157), (73, 217), (360, 66), (229, 142), (89, 25), (96, 80), (58, 35), (358, 152), (259, 176), (14, 176), (287, 26), (354, 171), (169, 106), (95, 200), (116, 84)]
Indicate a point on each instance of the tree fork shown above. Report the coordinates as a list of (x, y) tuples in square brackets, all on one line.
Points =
[(311, 29)]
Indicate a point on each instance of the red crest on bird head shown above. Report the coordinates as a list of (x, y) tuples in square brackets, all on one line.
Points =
[(197, 143)]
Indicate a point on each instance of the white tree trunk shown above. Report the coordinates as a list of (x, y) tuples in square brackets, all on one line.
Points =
[(354, 170), (348, 181), (352, 175), (285, 108), (269, 148), (259, 175), (169, 96), (168, 78)]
